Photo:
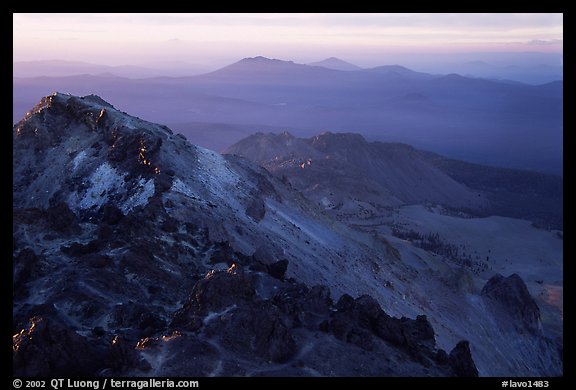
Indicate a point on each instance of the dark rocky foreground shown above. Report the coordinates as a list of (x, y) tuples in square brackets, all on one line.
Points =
[(228, 328), (75, 313), (239, 322), (125, 264)]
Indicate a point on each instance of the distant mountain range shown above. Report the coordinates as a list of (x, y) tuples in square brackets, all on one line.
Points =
[(335, 63), (485, 121), (531, 74), (60, 68)]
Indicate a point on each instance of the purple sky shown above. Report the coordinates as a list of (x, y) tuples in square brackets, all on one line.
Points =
[(219, 39)]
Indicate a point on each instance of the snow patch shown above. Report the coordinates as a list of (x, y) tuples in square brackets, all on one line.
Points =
[(105, 181), (141, 197), (77, 160)]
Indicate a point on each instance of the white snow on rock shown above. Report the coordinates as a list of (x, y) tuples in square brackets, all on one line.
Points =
[(103, 182), (140, 198), (78, 160)]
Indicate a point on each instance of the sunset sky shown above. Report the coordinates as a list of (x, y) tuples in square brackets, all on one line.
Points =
[(116, 39)]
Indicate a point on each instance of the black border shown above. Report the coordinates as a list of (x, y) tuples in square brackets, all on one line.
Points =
[(346, 7)]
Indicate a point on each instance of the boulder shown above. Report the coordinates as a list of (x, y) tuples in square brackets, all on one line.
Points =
[(358, 320), (461, 361), (256, 209), (278, 269), (414, 336), (511, 297)]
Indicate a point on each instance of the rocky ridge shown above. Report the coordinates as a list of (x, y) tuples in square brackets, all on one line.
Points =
[(348, 175), (137, 253), (370, 186)]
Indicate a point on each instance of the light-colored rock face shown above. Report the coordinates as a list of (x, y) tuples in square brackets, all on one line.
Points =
[(180, 203)]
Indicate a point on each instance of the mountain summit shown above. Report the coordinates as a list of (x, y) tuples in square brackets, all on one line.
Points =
[(263, 70), (137, 253), (260, 64), (336, 64)]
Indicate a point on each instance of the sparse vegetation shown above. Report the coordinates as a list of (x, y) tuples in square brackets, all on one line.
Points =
[(433, 243)]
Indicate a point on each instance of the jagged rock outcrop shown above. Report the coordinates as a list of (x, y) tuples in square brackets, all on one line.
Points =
[(512, 298), (358, 320), (226, 308), (461, 360), (118, 228), (517, 317)]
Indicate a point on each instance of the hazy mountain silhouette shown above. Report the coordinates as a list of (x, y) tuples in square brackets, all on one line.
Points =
[(335, 63), (484, 121), (60, 68)]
